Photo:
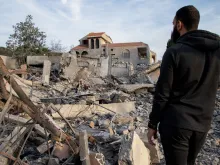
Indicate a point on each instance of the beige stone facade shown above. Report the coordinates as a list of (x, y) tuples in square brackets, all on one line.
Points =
[(98, 52)]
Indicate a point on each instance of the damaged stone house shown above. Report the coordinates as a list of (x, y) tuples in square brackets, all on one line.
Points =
[(97, 52)]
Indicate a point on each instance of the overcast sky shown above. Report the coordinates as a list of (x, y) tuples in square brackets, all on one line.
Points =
[(149, 21)]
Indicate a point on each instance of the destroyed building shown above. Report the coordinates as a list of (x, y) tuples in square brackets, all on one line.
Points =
[(97, 52)]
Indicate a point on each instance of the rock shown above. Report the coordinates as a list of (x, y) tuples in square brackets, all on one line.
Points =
[(131, 128), (138, 118), (120, 120), (97, 159), (53, 161), (46, 72), (110, 130), (217, 142), (133, 151), (92, 124), (125, 132), (62, 151), (211, 131), (44, 147), (38, 140), (215, 161), (104, 123), (217, 118)]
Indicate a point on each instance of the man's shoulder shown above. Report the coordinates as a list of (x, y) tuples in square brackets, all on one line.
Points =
[(177, 48)]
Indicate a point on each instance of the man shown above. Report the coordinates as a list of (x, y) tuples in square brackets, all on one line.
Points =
[(185, 93)]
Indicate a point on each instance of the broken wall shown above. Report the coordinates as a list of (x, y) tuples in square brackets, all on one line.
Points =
[(121, 63), (9, 62), (39, 60)]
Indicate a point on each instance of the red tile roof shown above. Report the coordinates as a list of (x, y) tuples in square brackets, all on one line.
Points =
[(80, 47), (125, 44), (98, 34)]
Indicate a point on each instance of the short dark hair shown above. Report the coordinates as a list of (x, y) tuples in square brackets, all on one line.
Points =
[(189, 16)]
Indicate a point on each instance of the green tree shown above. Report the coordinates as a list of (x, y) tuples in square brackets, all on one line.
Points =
[(27, 39)]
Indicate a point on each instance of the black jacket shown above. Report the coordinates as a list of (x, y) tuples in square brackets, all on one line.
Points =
[(186, 89)]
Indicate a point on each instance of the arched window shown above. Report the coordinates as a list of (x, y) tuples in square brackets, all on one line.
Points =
[(126, 53), (84, 53), (97, 43), (77, 54), (92, 44)]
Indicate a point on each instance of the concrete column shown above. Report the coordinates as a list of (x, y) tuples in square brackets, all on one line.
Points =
[(100, 44), (90, 44), (95, 43), (46, 72)]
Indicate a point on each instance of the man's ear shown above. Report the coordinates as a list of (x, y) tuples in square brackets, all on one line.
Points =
[(179, 25)]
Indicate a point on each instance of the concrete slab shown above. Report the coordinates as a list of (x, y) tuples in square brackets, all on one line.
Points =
[(130, 88), (133, 151), (46, 72), (78, 110)]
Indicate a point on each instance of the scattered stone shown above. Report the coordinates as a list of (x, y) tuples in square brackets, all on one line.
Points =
[(62, 151), (131, 128), (215, 161), (217, 118), (104, 123), (120, 120), (133, 151), (97, 159), (138, 118), (53, 161), (110, 130), (44, 147), (92, 124), (46, 72)]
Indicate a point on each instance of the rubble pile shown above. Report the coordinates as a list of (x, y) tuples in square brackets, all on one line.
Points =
[(83, 119)]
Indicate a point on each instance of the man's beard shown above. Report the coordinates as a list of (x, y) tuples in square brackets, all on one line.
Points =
[(175, 34)]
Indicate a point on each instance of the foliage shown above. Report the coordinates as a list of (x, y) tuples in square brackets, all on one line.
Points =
[(27, 39), (56, 46)]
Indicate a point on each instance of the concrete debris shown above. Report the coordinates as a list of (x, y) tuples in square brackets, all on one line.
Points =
[(61, 151), (97, 159), (69, 65), (67, 99), (133, 151), (45, 146), (136, 88), (46, 72), (77, 110)]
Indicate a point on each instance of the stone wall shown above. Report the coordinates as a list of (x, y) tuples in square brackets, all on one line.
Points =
[(39, 60), (121, 62), (9, 62)]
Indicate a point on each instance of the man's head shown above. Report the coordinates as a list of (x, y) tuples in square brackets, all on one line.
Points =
[(186, 19)]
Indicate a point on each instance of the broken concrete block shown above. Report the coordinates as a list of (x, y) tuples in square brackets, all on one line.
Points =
[(84, 148), (24, 68), (92, 124), (20, 120), (122, 131), (77, 110), (136, 88), (120, 120), (62, 151), (110, 130), (97, 158), (46, 72), (155, 153), (104, 123), (53, 161), (44, 147), (70, 66), (17, 135), (133, 151)]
